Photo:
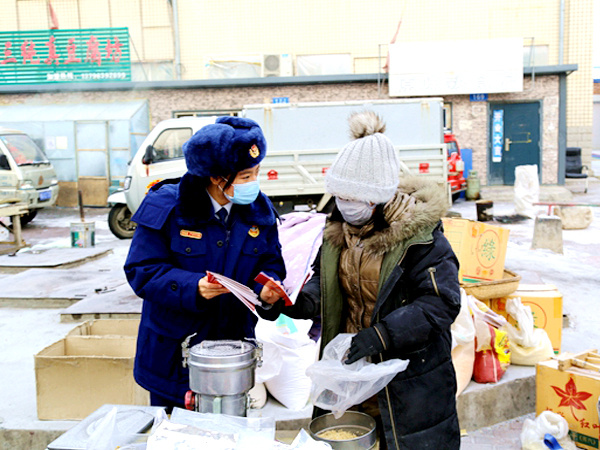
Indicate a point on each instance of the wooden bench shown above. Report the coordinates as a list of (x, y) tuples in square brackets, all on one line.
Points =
[(14, 211)]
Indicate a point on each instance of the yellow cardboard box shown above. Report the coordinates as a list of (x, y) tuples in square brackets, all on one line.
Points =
[(83, 371), (479, 247), (573, 393), (545, 302)]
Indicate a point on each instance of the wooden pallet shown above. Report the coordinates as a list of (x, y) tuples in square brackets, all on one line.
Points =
[(589, 360)]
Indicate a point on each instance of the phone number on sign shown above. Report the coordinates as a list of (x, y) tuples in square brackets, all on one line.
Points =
[(104, 76)]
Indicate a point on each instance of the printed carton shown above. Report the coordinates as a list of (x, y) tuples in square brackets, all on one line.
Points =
[(479, 247), (545, 302), (573, 392)]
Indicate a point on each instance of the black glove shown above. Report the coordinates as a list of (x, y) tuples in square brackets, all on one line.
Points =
[(367, 342)]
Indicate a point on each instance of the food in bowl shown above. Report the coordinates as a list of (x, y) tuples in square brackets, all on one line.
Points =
[(340, 434)]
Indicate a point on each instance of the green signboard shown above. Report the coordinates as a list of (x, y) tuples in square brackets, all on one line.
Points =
[(65, 56)]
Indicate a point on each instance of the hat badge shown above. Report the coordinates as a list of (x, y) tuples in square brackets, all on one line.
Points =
[(254, 152)]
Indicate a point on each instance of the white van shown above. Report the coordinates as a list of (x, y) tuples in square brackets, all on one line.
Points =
[(159, 157), (303, 141), (26, 175)]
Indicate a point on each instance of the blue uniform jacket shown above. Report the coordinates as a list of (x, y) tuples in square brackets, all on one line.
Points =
[(176, 241)]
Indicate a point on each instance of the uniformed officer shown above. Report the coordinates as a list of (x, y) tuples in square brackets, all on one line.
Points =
[(214, 219)]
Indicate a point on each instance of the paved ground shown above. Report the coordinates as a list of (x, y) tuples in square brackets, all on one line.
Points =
[(51, 230)]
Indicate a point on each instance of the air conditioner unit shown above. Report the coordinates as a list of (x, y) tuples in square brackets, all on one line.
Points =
[(277, 65)]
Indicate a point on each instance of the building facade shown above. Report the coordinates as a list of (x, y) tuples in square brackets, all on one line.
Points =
[(199, 57)]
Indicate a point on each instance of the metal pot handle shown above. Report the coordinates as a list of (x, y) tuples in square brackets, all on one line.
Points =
[(258, 350), (185, 349)]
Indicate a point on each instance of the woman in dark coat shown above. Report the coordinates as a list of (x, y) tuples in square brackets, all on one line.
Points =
[(180, 236), (386, 272)]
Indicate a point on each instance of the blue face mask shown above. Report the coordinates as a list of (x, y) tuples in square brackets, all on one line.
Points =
[(245, 193)]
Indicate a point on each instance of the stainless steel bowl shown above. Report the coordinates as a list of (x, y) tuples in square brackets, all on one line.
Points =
[(355, 422)]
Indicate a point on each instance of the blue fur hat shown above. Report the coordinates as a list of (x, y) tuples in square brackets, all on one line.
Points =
[(229, 145)]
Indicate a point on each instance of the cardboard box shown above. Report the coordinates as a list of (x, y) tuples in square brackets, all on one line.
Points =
[(107, 327), (545, 302), (79, 373), (573, 393), (479, 247)]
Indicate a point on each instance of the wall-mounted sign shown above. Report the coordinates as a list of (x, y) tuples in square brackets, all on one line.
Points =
[(497, 135), (478, 97), (281, 99), (65, 56), (456, 67)]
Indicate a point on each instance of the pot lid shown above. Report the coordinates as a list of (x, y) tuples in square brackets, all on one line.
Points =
[(222, 348)]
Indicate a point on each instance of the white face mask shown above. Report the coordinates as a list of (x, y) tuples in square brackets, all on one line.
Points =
[(355, 213)]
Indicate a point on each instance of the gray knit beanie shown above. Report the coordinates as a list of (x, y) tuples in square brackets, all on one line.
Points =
[(366, 169)]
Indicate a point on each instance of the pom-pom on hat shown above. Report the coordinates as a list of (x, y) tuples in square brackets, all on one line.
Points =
[(229, 145), (367, 168)]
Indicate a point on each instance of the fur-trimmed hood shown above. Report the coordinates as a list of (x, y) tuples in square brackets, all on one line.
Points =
[(417, 207)]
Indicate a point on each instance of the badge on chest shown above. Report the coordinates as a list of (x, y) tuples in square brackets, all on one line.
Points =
[(191, 234)]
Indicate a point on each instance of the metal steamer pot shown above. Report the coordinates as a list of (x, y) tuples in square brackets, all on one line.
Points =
[(221, 374)]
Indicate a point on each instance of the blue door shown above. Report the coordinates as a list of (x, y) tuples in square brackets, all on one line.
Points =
[(515, 140)]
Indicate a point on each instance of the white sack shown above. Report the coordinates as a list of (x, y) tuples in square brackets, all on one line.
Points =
[(291, 386), (527, 189)]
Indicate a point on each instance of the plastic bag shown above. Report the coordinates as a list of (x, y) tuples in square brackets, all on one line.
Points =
[(463, 329), (107, 435), (337, 386), (492, 351), (529, 345), (169, 436), (463, 344), (527, 189), (250, 432), (534, 432), (483, 312), (303, 441)]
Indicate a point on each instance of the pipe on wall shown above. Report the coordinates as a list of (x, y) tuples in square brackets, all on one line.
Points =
[(176, 39)]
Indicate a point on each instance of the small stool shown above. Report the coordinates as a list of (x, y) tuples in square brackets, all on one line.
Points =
[(547, 233)]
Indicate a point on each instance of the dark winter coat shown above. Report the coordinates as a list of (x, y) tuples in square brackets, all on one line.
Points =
[(418, 300), (178, 239)]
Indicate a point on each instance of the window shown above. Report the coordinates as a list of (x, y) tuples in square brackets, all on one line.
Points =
[(535, 55), (452, 148), (447, 116), (23, 149), (169, 143)]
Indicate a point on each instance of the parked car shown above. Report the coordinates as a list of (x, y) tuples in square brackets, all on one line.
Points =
[(26, 174)]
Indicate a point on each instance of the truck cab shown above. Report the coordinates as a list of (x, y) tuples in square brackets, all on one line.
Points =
[(26, 174), (456, 166), (159, 157)]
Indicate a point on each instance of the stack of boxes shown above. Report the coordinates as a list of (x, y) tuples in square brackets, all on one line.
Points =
[(568, 385), (481, 251)]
